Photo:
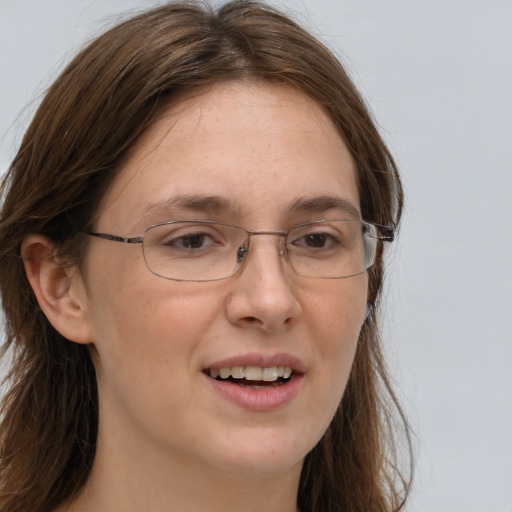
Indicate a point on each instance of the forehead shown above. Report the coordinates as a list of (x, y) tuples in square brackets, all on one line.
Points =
[(256, 146)]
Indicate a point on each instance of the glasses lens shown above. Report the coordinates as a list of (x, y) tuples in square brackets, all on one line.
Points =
[(193, 251), (332, 249)]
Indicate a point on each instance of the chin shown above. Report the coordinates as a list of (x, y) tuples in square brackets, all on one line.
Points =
[(265, 453)]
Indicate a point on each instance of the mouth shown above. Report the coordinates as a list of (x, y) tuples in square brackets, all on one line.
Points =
[(253, 377), (257, 382)]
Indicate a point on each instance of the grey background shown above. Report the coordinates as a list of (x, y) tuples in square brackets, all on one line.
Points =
[(438, 77)]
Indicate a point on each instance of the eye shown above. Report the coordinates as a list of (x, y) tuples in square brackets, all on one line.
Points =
[(190, 241), (315, 240)]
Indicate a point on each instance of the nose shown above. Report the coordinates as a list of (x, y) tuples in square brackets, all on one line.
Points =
[(264, 292)]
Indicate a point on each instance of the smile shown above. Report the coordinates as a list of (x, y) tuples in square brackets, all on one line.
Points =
[(257, 382), (252, 373)]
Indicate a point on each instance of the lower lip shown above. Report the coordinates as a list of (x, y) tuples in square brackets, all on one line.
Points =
[(258, 400)]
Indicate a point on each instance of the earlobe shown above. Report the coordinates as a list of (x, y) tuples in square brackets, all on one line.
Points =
[(58, 288)]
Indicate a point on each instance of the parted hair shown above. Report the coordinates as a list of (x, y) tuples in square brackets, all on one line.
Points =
[(88, 121)]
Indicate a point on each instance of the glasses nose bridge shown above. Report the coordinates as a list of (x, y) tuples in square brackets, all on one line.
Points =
[(281, 234)]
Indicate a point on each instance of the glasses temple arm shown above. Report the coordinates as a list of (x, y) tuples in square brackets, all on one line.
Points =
[(387, 234), (115, 238)]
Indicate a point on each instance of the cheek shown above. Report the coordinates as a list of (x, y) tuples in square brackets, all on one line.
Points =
[(143, 320), (334, 317), (339, 311), (148, 331), (339, 314)]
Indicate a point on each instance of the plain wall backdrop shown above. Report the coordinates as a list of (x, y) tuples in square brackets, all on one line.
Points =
[(438, 77)]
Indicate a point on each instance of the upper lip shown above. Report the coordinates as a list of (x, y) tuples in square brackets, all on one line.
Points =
[(261, 360)]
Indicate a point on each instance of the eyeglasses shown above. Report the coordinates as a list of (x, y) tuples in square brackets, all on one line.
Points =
[(190, 250)]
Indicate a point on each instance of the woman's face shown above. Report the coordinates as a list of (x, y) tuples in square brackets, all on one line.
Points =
[(260, 156)]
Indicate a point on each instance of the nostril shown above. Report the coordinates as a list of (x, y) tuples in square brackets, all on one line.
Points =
[(252, 320)]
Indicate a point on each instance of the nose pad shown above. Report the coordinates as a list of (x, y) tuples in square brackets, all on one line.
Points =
[(241, 254), (243, 250), (283, 252)]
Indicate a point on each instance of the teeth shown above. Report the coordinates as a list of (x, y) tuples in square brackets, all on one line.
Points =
[(238, 372), (253, 373), (269, 374), (225, 373)]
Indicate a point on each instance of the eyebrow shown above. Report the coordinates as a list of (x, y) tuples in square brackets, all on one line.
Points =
[(214, 204), (320, 204), (194, 202)]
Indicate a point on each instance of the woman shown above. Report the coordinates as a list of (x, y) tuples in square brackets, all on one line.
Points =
[(200, 205)]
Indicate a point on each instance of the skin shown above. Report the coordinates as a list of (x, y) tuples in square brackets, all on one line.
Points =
[(166, 437)]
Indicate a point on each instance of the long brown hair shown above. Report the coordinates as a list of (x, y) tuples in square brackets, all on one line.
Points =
[(90, 118)]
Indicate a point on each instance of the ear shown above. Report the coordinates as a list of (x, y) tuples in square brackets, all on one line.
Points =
[(58, 288)]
